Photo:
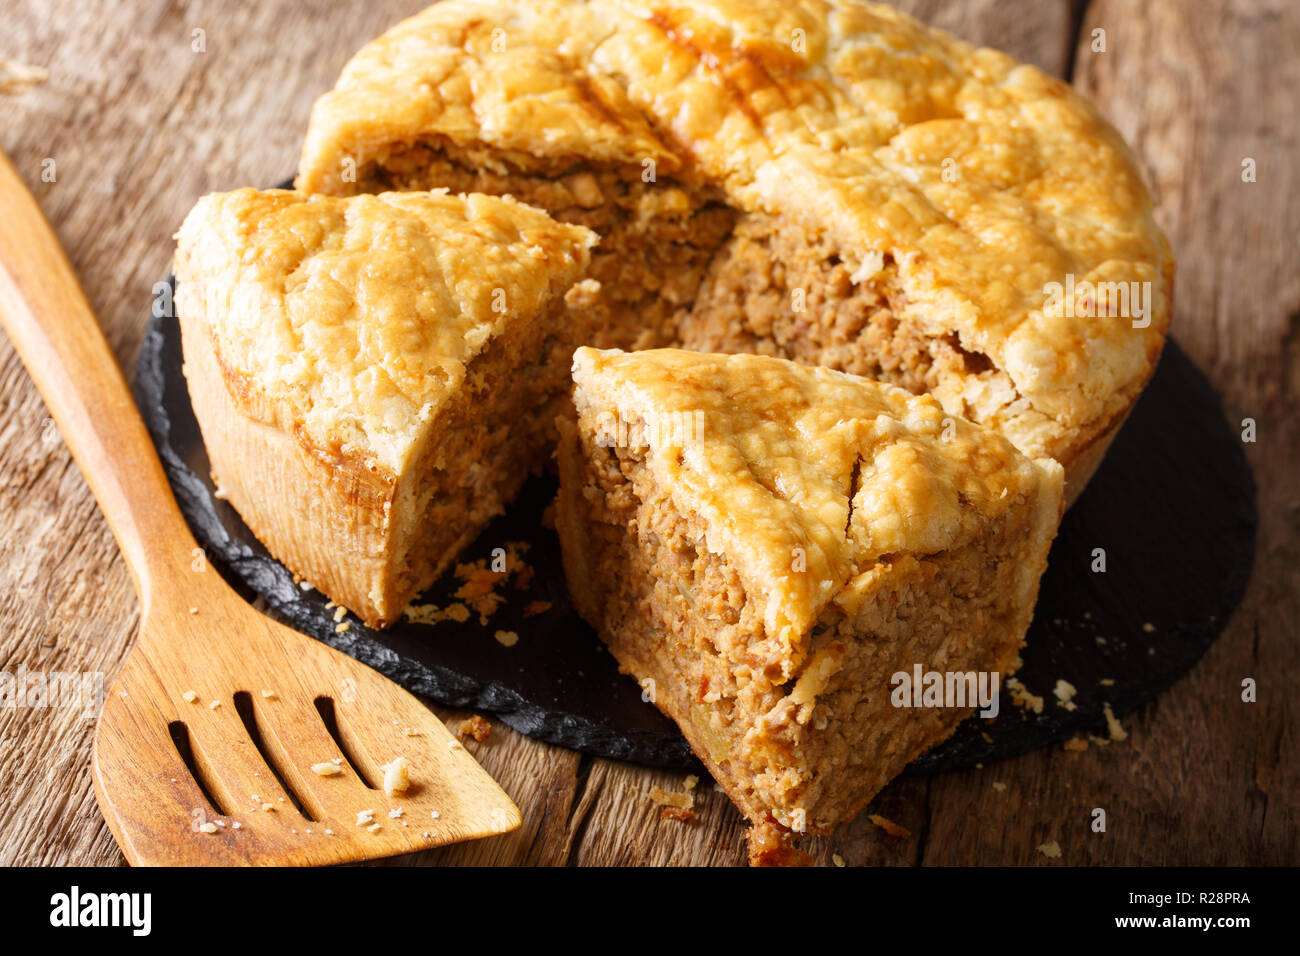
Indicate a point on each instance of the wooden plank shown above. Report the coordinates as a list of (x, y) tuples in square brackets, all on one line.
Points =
[(1038, 33), (139, 125), (1197, 95)]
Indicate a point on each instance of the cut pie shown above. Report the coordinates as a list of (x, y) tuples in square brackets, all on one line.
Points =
[(374, 377), (830, 182), (765, 546)]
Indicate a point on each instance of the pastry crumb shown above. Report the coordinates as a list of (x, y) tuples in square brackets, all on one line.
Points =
[(190, 697), (422, 613), (676, 801), (1065, 692), (679, 801), (397, 777), (480, 580), (1051, 850), (326, 769), (506, 638), (476, 727), (1076, 744), (889, 826), (677, 813), (432, 614), (1113, 726), (1021, 696), (477, 591)]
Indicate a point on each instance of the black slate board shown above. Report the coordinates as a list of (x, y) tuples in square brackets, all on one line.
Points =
[(1173, 506)]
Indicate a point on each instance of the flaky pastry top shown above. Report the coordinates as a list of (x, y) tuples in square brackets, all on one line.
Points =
[(349, 322), (984, 180), (806, 477)]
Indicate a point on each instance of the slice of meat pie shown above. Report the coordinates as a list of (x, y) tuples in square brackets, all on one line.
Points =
[(375, 376), (766, 546)]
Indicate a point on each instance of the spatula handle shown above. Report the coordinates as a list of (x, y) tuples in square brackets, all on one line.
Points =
[(54, 331)]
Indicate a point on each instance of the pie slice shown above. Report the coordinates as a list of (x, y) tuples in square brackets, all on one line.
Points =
[(374, 377), (765, 545)]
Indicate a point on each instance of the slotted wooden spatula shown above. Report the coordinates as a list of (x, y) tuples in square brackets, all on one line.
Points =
[(227, 738)]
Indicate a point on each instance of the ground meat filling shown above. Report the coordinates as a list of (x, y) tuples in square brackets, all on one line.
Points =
[(656, 238), (678, 266), (679, 615), (503, 424), (773, 289)]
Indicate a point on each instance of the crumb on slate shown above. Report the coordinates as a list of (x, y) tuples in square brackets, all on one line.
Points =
[(1113, 727), (1021, 696)]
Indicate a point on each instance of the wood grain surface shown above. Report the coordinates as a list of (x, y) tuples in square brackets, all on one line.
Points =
[(135, 124)]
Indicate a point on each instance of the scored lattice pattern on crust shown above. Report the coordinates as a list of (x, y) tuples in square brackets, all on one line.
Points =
[(972, 180)]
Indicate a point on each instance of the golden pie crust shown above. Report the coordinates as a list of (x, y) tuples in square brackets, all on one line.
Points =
[(375, 376), (944, 188)]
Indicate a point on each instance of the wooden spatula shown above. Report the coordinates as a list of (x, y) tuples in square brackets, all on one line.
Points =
[(227, 738)]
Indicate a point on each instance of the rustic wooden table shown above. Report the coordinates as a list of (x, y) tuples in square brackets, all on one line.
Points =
[(138, 118)]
